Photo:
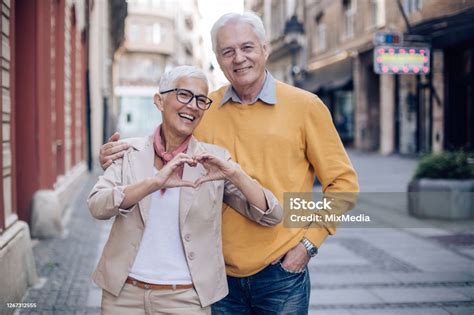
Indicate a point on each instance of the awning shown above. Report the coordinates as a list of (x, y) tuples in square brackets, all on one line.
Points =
[(334, 76), (447, 30)]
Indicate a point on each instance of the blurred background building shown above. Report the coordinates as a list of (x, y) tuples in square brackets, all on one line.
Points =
[(327, 47), (106, 28), (159, 34), (56, 82), (74, 71)]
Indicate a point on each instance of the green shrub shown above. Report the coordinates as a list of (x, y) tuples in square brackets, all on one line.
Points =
[(447, 165)]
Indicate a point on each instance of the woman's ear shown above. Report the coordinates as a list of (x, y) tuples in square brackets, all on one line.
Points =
[(158, 100)]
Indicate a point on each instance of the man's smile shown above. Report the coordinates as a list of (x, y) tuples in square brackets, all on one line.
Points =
[(240, 70)]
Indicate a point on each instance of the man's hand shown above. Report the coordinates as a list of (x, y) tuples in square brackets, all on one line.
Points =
[(296, 259), (112, 150)]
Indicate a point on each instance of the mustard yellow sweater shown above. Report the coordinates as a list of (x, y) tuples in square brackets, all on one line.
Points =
[(283, 146)]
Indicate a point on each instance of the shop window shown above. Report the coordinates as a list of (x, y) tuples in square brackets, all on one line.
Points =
[(343, 115)]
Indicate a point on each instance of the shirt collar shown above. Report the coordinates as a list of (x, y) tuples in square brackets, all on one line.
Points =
[(266, 95)]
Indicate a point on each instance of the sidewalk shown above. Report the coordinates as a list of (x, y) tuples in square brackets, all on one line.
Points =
[(426, 270), (358, 271), (65, 265)]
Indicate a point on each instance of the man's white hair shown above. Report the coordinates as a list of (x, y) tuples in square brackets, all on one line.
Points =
[(171, 77), (247, 17)]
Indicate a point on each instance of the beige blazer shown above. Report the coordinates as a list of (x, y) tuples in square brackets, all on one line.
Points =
[(199, 219)]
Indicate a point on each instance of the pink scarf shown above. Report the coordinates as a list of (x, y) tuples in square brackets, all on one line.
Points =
[(158, 143)]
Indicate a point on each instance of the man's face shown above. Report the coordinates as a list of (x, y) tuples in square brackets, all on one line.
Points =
[(240, 55)]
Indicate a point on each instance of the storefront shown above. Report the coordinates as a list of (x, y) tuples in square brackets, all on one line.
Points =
[(436, 111), (413, 117), (334, 85), (459, 61)]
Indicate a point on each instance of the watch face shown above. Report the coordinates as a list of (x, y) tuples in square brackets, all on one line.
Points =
[(313, 251)]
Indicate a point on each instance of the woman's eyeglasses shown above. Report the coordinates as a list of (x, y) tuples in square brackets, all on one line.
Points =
[(186, 96)]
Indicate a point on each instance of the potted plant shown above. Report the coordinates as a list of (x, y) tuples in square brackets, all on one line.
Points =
[(443, 187)]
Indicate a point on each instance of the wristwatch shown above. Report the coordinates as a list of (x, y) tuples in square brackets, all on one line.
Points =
[(310, 248)]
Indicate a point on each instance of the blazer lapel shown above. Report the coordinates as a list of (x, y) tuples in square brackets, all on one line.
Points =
[(187, 194), (142, 164)]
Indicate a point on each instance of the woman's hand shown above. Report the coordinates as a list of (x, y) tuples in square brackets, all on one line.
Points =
[(217, 168), (169, 175)]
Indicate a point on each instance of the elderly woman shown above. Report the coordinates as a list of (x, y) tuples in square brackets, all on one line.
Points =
[(164, 252)]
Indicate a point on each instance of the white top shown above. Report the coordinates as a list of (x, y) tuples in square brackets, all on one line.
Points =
[(161, 258)]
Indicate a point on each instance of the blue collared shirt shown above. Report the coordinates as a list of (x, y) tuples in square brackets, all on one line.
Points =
[(266, 95)]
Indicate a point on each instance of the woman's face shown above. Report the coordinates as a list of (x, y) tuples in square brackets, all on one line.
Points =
[(178, 118)]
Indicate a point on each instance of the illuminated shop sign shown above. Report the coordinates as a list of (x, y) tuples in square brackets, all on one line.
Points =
[(401, 60)]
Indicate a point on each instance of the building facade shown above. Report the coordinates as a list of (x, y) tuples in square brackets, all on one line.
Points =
[(106, 35), (159, 34), (45, 130), (388, 113)]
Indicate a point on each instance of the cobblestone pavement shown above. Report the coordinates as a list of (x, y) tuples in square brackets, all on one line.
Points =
[(65, 265), (425, 270)]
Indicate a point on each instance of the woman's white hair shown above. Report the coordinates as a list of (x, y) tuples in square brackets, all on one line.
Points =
[(171, 77), (247, 17)]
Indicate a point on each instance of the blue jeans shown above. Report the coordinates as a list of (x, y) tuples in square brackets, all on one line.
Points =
[(271, 291)]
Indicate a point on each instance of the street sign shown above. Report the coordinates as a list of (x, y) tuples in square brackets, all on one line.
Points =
[(401, 60), (388, 38)]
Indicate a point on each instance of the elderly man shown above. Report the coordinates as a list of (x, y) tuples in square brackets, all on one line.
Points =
[(282, 136)]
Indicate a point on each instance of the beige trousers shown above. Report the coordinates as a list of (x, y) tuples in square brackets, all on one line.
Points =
[(136, 301)]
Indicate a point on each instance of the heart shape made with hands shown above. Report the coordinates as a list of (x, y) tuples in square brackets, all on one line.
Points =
[(216, 169)]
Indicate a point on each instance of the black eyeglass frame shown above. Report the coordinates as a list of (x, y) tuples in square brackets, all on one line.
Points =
[(208, 100)]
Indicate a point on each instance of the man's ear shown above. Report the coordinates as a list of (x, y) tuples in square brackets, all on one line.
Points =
[(266, 50), (158, 100)]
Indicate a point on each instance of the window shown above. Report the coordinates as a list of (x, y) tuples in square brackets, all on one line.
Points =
[(138, 4), (156, 4), (156, 33), (148, 33), (419, 4), (188, 21), (377, 13), (162, 5), (277, 19), (134, 33), (411, 6), (319, 43), (321, 36), (140, 70), (349, 17)]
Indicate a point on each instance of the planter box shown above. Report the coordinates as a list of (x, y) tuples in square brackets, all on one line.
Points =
[(441, 199)]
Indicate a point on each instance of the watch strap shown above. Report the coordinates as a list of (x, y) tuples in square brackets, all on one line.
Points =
[(310, 248)]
